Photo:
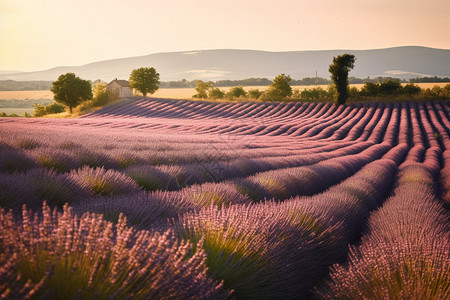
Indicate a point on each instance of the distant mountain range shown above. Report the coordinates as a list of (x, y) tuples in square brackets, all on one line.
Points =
[(400, 62)]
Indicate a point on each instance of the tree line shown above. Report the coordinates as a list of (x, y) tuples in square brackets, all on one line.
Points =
[(12, 85)]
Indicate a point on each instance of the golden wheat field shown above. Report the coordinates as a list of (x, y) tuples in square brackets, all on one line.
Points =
[(23, 95)]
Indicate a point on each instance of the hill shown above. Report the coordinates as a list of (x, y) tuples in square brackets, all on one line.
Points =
[(401, 62)]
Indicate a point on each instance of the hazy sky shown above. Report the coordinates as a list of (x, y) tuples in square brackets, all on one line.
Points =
[(41, 34)]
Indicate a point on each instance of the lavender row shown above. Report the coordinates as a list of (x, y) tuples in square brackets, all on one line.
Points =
[(63, 256), (36, 185), (59, 187), (115, 154), (405, 253), (234, 125), (66, 156), (174, 177), (281, 250), (279, 185)]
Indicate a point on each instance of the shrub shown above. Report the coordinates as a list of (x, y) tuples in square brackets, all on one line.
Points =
[(217, 194), (390, 87), (62, 256), (264, 251), (236, 92), (36, 185), (202, 89), (94, 159), (315, 94), (102, 99), (54, 108), (216, 93), (14, 160), (58, 160), (411, 89), (98, 181), (142, 210), (151, 178), (369, 89), (254, 93)]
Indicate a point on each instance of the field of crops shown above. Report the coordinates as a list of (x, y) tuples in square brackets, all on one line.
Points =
[(176, 199)]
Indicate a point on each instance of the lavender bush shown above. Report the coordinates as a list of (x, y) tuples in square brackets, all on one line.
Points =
[(58, 255), (99, 181)]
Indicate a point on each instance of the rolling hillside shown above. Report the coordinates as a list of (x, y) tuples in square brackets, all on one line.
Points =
[(402, 62)]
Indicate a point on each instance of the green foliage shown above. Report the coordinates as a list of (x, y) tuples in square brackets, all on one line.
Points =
[(353, 92), (244, 82), (390, 87), (411, 89), (311, 81), (281, 84), (39, 111), (429, 79), (177, 84), (436, 92), (236, 92), (54, 108), (71, 90), (145, 80), (53, 162), (216, 93), (202, 88), (342, 64), (4, 115), (254, 93), (280, 89), (369, 89), (314, 94), (98, 88), (102, 99)]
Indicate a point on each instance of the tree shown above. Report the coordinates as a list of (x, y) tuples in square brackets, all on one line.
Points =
[(390, 87), (411, 89), (282, 85), (98, 88), (370, 89), (342, 64), (71, 90), (254, 93), (145, 80), (216, 93), (236, 92), (202, 89), (279, 89)]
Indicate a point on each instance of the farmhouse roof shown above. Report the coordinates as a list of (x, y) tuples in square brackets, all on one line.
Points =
[(122, 83)]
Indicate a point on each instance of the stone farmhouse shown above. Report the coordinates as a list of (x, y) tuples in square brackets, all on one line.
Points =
[(119, 88)]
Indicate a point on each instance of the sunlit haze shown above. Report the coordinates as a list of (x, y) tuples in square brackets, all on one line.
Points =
[(41, 34)]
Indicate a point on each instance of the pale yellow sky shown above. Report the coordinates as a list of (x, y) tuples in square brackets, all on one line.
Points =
[(41, 34)]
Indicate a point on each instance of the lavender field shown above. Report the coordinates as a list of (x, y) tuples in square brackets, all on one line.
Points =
[(177, 199)]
